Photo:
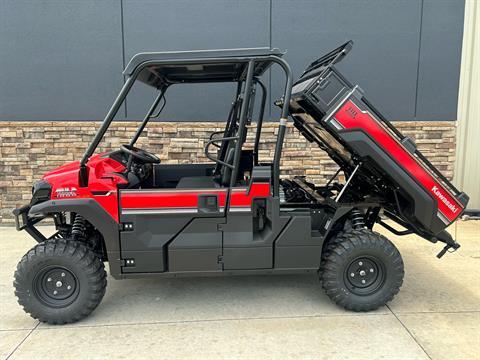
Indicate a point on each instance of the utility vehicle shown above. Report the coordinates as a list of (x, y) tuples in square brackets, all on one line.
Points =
[(236, 215)]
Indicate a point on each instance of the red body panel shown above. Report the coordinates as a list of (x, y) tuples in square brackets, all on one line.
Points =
[(102, 182), (168, 198), (244, 197), (352, 117), (175, 198), (103, 187)]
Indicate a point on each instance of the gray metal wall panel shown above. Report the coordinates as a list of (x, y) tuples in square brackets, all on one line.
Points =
[(385, 55), (439, 70), (192, 25), (62, 60), (59, 60)]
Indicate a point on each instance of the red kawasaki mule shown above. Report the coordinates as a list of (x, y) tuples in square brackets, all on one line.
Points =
[(236, 215)]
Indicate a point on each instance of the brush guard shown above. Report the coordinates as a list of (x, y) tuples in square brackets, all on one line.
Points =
[(27, 223)]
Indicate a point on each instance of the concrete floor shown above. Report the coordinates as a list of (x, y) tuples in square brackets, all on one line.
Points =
[(436, 315)]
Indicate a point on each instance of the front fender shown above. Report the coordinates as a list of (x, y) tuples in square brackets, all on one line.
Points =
[(95, 215)]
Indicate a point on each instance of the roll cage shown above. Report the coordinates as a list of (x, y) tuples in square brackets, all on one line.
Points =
[(242, 66)]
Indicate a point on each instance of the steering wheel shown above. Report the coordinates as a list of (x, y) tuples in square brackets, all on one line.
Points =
[(142, 155)]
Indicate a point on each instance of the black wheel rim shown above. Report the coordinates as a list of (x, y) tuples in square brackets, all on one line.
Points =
[(56, 286), (365, 275)]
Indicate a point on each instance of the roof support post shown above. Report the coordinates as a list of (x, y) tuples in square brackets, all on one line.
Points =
[(108, 119), (232, 118), (259, 122), (282, 125), (247, 92), (148, 116)]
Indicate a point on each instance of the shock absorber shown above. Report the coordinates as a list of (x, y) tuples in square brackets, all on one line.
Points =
[(78, 227), (357, 218)]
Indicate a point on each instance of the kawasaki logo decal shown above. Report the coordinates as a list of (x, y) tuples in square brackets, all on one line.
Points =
[(442, 197)]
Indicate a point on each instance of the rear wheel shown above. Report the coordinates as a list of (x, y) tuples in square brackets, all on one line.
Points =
[(361, 270), (60, 281)]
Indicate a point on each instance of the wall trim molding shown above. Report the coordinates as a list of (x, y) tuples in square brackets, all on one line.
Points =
[(467, 164)]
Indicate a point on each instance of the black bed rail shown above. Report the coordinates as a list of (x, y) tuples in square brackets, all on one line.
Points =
[(329, 59)]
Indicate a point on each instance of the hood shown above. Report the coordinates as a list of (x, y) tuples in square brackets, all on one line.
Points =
[(101, 168), (65, 168)]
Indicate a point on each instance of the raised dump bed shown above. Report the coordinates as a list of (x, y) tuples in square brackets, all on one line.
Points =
[(329, 110)]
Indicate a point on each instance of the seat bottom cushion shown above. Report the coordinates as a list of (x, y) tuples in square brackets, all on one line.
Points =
[(197, 182)]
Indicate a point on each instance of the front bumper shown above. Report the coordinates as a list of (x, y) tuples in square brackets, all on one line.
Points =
[(27, 223), (21, 217), (41, 191)]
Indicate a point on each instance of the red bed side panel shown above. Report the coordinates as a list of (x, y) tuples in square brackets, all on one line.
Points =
[(352, 117)]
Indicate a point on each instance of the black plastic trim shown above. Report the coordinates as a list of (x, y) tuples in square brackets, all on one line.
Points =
[(41, 191), (96, 215)]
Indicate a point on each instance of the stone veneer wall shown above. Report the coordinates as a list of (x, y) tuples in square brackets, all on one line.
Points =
[(28, 149)]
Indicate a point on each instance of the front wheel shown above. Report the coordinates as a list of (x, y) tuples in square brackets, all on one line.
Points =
[(60, 281), (361, 270)]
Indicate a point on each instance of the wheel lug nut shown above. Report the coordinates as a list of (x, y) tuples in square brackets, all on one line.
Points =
[(69, 287), (49, 279), (363, 281), (360, 263), (352, 274), (55, 292), (371, 270), (63, 274)]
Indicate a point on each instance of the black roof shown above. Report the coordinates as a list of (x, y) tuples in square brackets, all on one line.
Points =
[(198, 66)]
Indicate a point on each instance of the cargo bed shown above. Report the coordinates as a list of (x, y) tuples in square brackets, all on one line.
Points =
[(328, 110)]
